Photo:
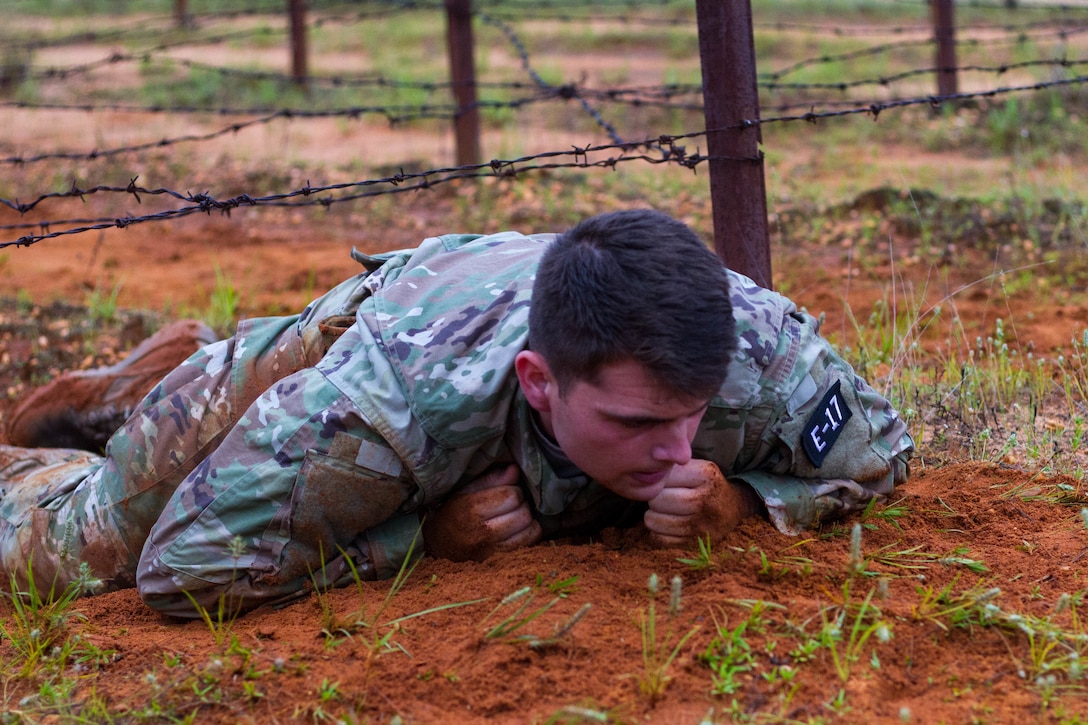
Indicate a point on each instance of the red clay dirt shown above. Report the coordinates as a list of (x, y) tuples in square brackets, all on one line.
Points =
[(975, 515), (441, 667)]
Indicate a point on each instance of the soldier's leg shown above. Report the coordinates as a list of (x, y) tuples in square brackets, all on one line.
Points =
[(189, 413), (72, 506), (82, 409), (59, 507), (39, 533)]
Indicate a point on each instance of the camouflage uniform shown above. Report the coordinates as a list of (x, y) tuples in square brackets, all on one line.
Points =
[(303, 449)]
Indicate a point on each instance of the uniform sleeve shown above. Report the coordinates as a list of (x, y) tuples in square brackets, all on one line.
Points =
[(391, 543), (832, 445), (795, 504), (302, 493)]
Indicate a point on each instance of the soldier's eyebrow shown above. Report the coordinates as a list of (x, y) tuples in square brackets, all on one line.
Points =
[(653, 419)]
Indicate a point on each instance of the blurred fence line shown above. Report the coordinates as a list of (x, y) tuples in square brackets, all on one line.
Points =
[(784, 99)]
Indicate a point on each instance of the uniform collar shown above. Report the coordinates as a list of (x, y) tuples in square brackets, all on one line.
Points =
[(551, 478)]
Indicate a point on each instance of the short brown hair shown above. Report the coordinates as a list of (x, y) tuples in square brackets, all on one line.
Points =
[(634, 285)]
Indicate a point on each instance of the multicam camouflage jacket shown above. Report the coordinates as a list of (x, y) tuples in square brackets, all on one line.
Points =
[(302, 451)]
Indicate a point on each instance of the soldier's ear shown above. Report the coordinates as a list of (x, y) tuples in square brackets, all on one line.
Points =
[(537, 381)]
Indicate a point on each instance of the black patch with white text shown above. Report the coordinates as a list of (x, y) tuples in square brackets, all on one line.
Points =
[(823, 428)]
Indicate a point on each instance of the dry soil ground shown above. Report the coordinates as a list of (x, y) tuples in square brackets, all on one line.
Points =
[(773, 628), (440, 667)]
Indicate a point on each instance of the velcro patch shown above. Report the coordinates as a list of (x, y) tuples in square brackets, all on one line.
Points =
[(379, 458), (823, 428)]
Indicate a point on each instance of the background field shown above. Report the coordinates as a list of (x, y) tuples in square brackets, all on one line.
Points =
[(943, 244)]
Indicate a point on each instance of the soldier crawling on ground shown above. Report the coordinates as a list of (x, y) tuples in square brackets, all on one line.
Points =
[(500, 389)]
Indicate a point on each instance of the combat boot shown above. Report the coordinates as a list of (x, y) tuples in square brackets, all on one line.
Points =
[(82, 409)]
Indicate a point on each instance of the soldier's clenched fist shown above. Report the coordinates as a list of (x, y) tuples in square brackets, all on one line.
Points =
[(489, 514), (698, 501)]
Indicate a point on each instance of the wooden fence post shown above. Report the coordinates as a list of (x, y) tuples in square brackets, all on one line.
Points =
[(296, 9), (459, 43), (944, 31), (181, 13), (738, 192)]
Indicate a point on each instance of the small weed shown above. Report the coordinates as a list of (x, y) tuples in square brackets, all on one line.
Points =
[(222, 304), (361, 619), (845, 640), (857, 564), (703, 559), (507, 629), (102, 307), (891, 513), (945, 609), (329, 691), (563, 588), (252, 694), (913, 558), (838, 704), (729, 654), (38, 626), (785, 564), (367, 625), (657, 655)]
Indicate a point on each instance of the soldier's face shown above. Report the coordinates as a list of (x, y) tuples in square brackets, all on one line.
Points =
[(625, 430)]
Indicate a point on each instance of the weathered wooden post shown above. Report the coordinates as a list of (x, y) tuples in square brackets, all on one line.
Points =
[(944, 30), (296, 9), (181, 13), (738, 193), (461, 47)]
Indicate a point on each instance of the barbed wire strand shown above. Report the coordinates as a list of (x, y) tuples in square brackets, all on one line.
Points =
[(416, 181), (394, 115), (564, 91)]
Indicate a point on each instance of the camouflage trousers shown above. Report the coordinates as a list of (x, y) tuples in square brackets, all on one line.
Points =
[(61, 507)]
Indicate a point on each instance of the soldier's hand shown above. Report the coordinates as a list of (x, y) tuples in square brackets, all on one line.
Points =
[(698, 500), (489, 514)]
